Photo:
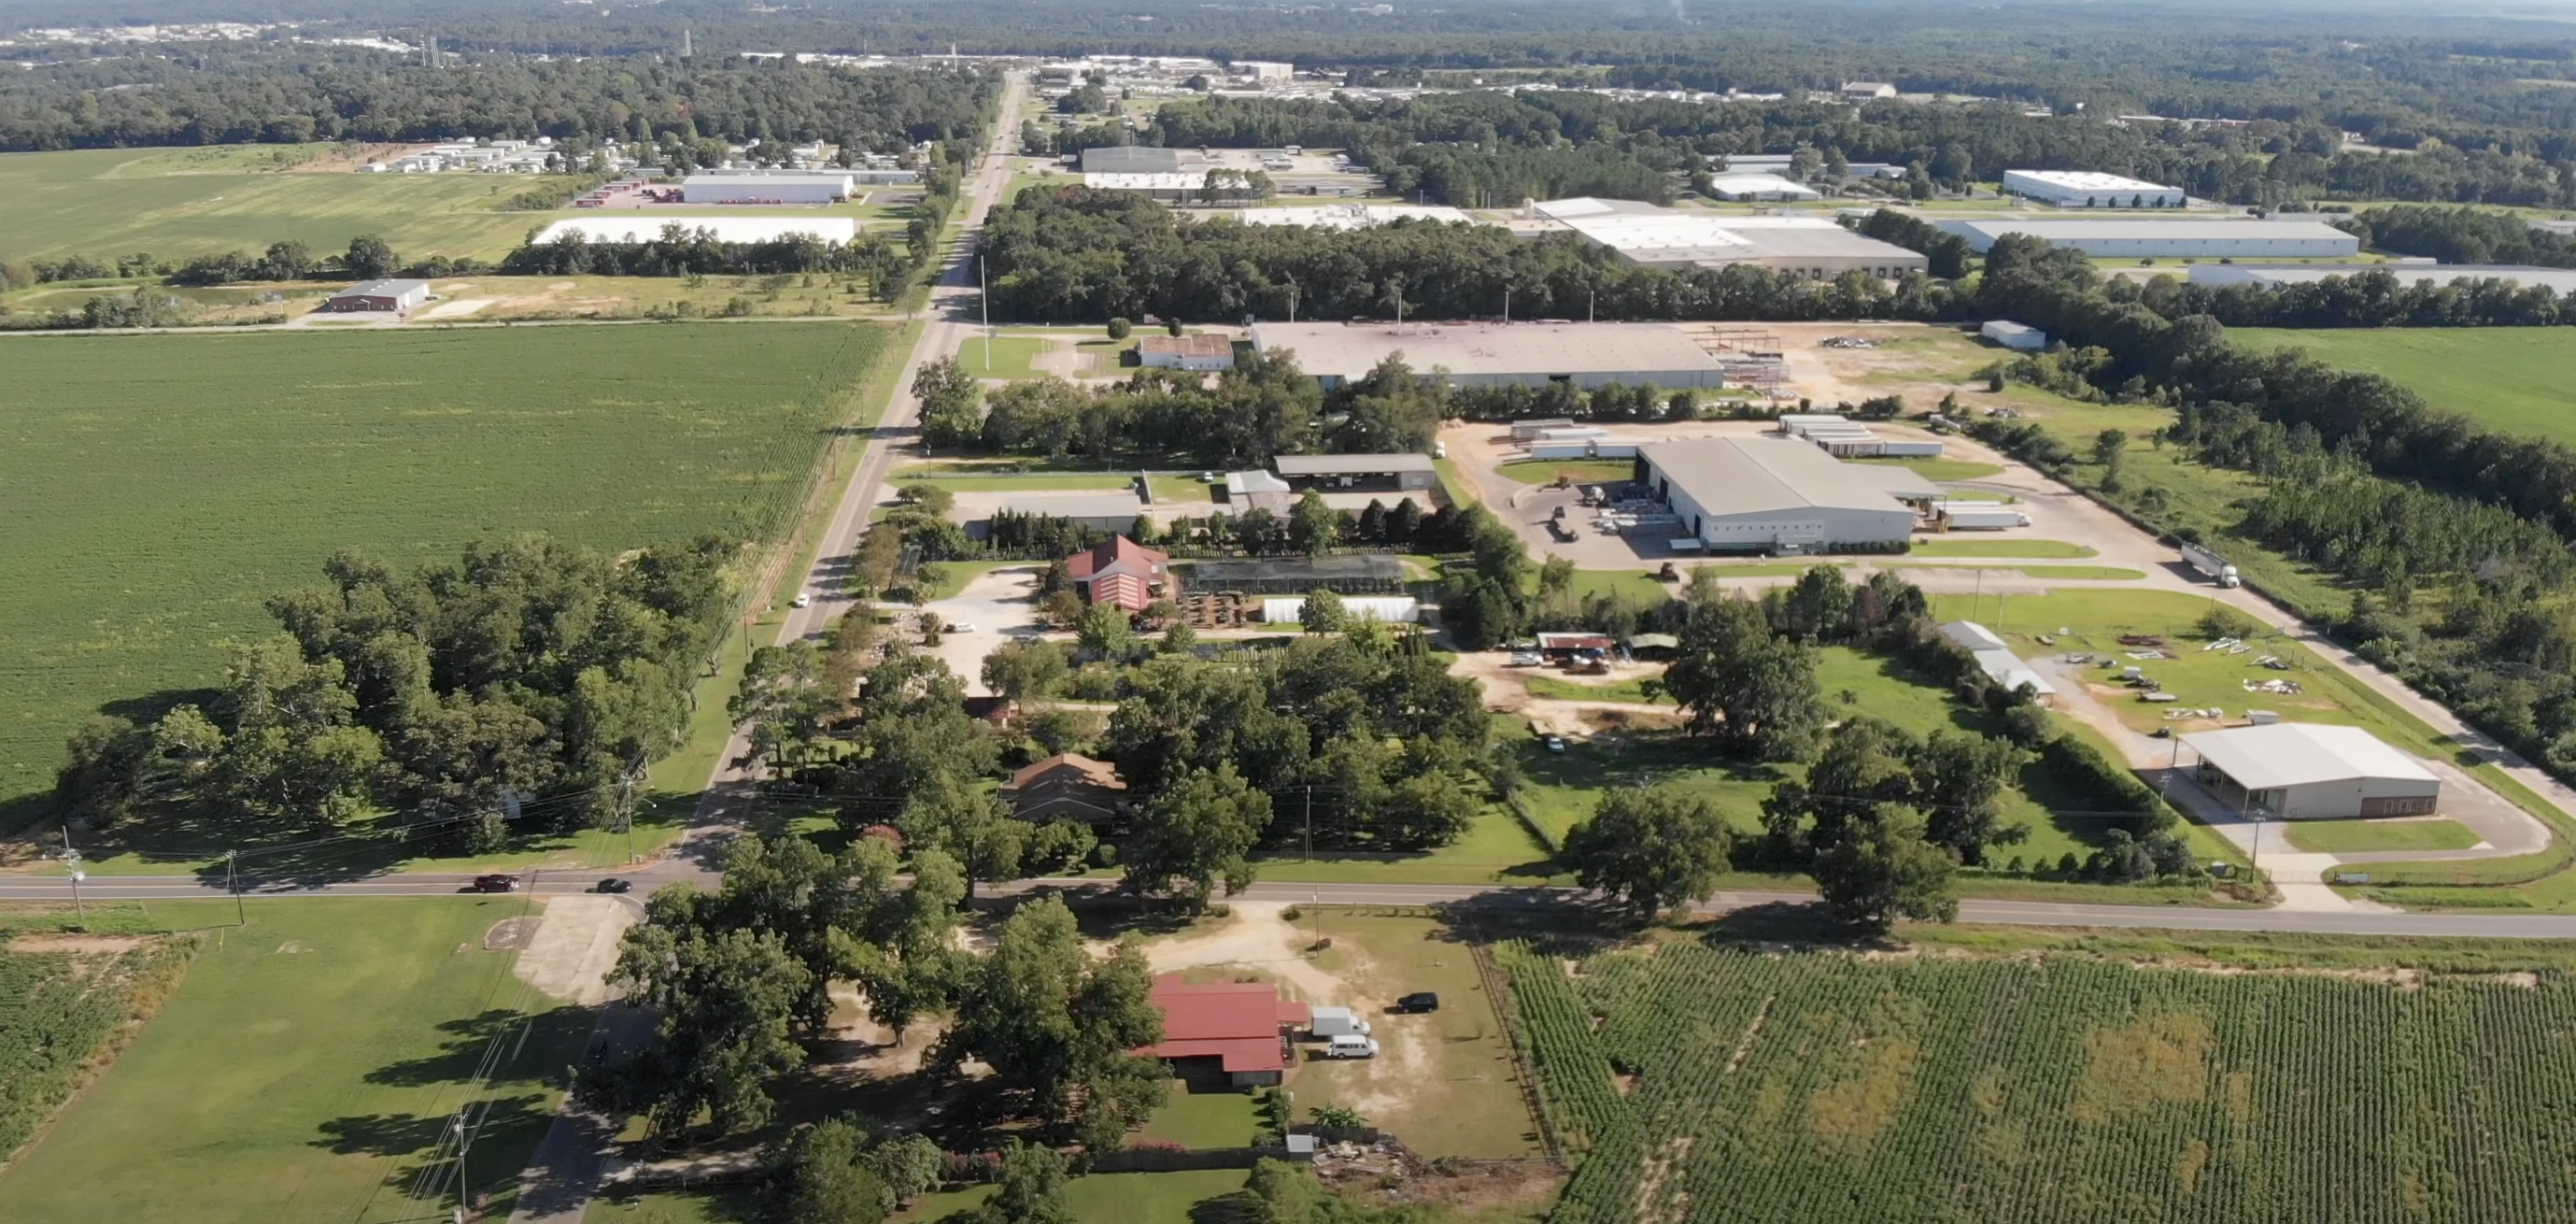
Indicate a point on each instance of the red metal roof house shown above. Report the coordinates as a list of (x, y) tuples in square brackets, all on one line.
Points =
[(1243, 1025), (1123, 572)]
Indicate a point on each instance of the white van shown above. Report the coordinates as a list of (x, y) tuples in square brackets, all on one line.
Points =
[(1351, 1046)]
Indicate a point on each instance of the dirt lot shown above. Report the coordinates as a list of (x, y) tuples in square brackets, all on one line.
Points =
[(1442, 1082), (575, 946)]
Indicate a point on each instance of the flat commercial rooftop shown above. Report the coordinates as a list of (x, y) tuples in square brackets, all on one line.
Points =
[(1350, 216), (645, 228), (2175, 229), (1351, 350), (1651, 235), (1351, 465), (2558, 280), (2088, 180), (1175, 181), (2301, 754), (1754, 475)]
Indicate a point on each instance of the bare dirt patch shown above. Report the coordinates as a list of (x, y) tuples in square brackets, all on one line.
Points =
[(510, 934), (81, 945), (1258, 937), (2131, 1067), (574, 946)]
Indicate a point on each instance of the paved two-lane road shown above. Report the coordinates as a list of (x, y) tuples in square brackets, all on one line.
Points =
[(2005, 913)]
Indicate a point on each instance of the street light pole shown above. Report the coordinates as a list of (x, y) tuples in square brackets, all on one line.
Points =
[(984, 302)]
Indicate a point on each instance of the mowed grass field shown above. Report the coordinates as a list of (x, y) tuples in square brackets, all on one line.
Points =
[(2509, 378), (179, 202), (158, 489), (1823, 1086), (304, 1069)]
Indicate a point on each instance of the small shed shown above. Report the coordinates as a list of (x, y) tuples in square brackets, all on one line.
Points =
[(2019, 337)]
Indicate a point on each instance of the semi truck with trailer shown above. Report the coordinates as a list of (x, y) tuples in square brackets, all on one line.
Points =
[(2211, 565)]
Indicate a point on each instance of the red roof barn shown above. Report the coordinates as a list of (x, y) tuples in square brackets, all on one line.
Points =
[(1243, 1025), (1123, 572)]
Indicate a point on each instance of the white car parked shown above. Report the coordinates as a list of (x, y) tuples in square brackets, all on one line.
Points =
[(802, 600), (1351, 1046)]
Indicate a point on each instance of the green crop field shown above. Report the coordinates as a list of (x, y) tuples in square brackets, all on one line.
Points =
[(304, 1070), (161, 487), (2509, 378), (1713, 1083)]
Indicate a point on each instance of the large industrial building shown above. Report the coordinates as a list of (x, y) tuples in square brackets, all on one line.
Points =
[(645, 227), (1350, 216), (1499, 354), (2086, 189), (1140, 159), (2556, 280), (1755, 494), (2176, 238), (2307, 771), (774, 188), (1757, 186), (1657, 237)]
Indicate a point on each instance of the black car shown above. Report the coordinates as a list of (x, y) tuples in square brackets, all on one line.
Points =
[(1423, 1001), (614, 885), (496, 883)]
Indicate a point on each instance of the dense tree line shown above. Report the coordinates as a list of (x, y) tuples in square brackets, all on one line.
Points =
[(2367, 297), (1076, 255), (681, 251), (2462, 236), (2362, 477), (529, 681), (221, 98)]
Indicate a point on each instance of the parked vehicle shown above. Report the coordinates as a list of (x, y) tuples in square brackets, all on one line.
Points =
[(1418, 1001), (615, 885), (1528, 658), (1351, 1047), (496, 882), (961, 627), (802, 600), (1335, 1022), (1983, 519), (2211, 565), (1554, 743)]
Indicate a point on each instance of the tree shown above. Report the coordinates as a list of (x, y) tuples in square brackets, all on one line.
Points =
[(781, 703), (1120, 329), (1959, 783), (369, 258), (1756, 693), (1105, 631), (1021, 669), (1322, 612), (2109, 445), (1032, 1192), (952, 404), (726, 1006), (1884, 870), (908, 1166), (1313, 526), (1336, 1117), (1196, 834), (1051, 1020), (822, 1175), (1650, 849), (1819, 606)]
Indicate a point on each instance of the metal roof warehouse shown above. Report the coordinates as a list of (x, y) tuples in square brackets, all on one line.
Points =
[(1498, 354), (2312, 771)]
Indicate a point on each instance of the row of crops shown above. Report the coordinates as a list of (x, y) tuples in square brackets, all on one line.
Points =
[(56, 1011), (1710, 1083)]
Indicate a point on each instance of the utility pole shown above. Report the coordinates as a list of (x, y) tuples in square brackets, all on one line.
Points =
[(231, 859), (1310, 823), (984, 301), (1292, 302), (71, 856), (1588, 296), (1507, 304)]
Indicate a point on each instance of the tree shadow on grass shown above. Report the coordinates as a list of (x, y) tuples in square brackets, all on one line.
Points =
[(1239, 1207), (413, 1134), (467, 1041)]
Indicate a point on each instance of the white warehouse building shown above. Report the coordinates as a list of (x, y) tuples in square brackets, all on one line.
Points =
[(1587, 355), (1656, 237), (2175, 238), (2308, 771), (2086, 189), (1754, 494), (766, 188)]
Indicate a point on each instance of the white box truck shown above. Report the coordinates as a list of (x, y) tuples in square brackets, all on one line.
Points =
[(2211, 565), (1336, 1022)]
